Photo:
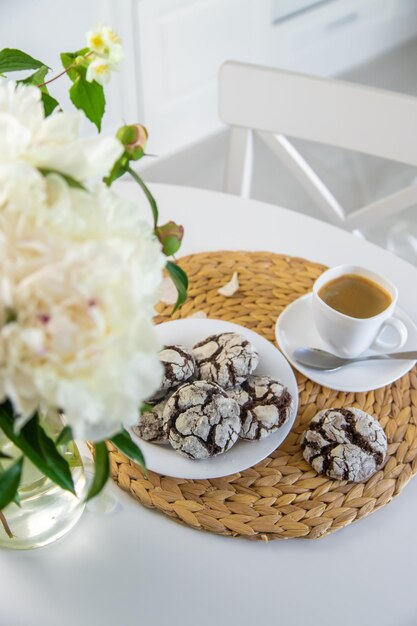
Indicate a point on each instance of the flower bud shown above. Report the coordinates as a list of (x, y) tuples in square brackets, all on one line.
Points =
[(82, 60), (170, 235), (134, 138)]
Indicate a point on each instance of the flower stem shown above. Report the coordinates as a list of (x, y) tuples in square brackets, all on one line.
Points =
[(147, 193), (51, 80), (5, 525)]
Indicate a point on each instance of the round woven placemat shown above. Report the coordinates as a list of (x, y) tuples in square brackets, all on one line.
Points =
[(281, 497)]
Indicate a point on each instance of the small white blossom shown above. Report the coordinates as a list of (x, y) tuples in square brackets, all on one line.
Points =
[(105, 42), (96, 41), (108, 52), (99, 70), (114, 46)]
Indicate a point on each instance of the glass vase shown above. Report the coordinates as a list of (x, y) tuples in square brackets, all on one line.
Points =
[(46, 511)]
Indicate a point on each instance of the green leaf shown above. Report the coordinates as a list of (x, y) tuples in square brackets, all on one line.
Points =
[(149, 196), (10, 315), (57, 466), (37, 77), (65, 436), (38, 447), (102, 465), (71, 182), (68, 58), (89, 98), (180, 280), (118, 169), (124, 442), (9, 483), (4, 456), (49, 103), (12, 60)]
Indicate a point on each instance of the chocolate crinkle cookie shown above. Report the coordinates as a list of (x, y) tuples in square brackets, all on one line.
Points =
[(226, 359), (200, 421), (345, 444), (150, 425), (265, 405), (179, 366)]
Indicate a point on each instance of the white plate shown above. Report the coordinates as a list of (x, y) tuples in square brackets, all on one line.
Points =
[(244, 454), (295, 328)]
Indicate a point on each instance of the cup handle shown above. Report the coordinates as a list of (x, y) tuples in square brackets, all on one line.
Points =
[(402, 333)]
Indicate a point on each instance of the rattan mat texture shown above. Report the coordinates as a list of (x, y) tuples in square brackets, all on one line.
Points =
[(282, 497)]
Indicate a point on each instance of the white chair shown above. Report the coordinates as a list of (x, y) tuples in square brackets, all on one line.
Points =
[(275, 104)]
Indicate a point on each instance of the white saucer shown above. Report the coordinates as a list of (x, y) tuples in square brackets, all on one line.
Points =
[(244, 454), (295, 328)]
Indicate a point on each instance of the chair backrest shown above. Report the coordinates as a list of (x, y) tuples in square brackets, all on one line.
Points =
[(276, 103)]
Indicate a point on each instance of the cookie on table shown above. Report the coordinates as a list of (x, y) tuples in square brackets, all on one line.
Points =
[(226, 359), (265, 405), (345, 444), (150, 425), (179, 366), (200, 420)]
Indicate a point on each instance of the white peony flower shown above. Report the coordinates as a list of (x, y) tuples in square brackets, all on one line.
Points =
[(80, 275), (21, 185), (51, 143)]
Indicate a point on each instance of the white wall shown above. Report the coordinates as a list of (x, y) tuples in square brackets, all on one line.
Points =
[(174, 48), (180, 45)]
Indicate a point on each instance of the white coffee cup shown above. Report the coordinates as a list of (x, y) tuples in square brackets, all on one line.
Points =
[(350, 336)]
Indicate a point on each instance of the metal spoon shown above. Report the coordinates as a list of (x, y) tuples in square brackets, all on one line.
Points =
[(322, 360)]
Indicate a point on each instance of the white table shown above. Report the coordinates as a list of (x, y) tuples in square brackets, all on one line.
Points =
[(136, 567)]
